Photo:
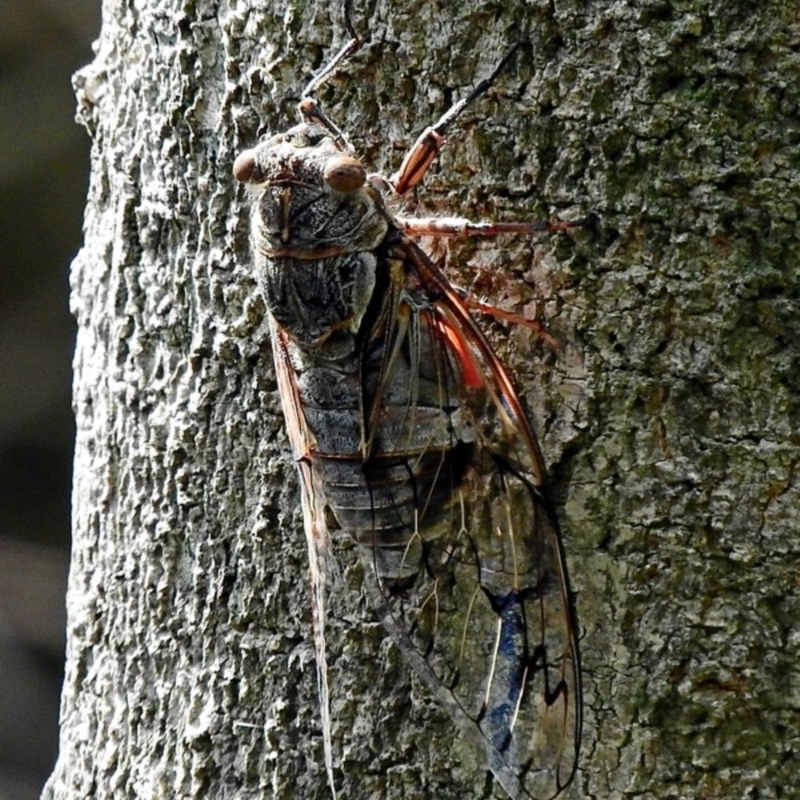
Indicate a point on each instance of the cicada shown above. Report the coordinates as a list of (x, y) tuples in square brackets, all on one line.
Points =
[(406, 426)]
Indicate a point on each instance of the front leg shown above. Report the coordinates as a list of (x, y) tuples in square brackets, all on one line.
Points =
[(459, 226), (430, 141)]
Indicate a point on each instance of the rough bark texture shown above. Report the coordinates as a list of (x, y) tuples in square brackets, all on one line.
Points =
[(669, 419)]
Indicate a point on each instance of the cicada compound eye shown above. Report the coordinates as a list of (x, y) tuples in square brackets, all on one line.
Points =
[(244, 167), (344, 174)]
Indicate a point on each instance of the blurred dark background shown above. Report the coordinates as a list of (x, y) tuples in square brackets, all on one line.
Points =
[(44, 166)]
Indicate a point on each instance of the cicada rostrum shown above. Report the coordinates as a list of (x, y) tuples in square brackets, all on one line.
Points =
[(405, 424)]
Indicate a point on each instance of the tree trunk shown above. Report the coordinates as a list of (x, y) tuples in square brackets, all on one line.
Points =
[(669, 417)]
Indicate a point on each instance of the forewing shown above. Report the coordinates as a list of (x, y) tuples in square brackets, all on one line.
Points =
[(488, 620), (312, 499)]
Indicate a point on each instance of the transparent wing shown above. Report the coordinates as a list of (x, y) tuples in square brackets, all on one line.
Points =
[(463, 557)]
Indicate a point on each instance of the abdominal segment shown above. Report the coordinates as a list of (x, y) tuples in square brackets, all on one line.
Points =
[(397, 503)]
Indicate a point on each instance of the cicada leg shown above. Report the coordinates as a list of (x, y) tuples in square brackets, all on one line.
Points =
[(309, 107), (459, 226), (514, 319), (426, 148), (430, 141)]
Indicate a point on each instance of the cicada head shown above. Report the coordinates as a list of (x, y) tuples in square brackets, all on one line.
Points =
[(315, 197), (316, 225)]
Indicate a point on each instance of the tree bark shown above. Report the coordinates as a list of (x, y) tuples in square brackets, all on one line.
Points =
[(669, 417)]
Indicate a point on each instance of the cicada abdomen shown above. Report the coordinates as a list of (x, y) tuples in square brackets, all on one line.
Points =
[(404, 423)]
